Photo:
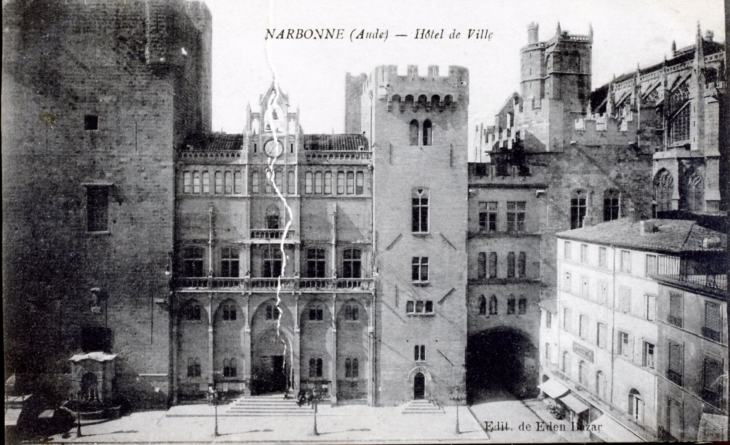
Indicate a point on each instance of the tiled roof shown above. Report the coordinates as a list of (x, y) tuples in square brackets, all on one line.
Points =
[(669, 235), (215, 142), (335, 142)]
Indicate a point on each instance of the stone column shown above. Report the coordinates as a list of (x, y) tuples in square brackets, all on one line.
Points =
[(296, 347), (333, 370), (248, 356), (211, 374), (370, 308)]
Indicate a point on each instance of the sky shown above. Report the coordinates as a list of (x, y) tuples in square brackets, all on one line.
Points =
[(312, 72)]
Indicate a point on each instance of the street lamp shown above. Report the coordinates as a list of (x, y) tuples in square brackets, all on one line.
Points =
[(457, 396), (214, 399), (78, 414)]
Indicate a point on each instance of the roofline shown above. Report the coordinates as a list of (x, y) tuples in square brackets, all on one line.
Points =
[(634, 247)]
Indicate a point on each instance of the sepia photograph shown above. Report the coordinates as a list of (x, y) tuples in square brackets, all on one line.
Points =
[(271, 221)]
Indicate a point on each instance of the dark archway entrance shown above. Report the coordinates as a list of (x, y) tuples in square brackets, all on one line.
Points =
[(270, 367), (419, 386), (499, 360)]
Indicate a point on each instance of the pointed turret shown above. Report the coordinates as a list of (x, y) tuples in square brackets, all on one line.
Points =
[(590, 31), (674, 48), (558, 32)]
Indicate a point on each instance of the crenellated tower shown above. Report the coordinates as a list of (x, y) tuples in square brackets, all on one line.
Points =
[(417, 126)]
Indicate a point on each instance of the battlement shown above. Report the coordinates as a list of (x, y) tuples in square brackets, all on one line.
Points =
[(430, 92), (601, 129)]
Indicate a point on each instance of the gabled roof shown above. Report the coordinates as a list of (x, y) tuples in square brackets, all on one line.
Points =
[(336, 142), (670, 235)]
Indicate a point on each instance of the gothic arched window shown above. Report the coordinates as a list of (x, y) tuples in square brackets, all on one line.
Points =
[(413, 132), (611, 203), (427, 133), (577, 208), (663, 188)]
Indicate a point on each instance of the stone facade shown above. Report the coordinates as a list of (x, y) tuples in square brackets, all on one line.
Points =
[(95, 96)]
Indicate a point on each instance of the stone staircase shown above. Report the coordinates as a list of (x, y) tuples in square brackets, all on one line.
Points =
[(422, 406), (268, 405)]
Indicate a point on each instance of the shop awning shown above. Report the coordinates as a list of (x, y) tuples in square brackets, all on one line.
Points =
[(11, 416), (553, 388), (611, 431), (574, 404), (713, 428)]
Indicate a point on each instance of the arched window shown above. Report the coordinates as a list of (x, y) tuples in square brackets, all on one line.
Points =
[(328, 183), (482, 265), (636, 405), (522, 305), (193, 262), (229, 183), (272, 217), (196, 182), (318, 183), (492, 264), (218, 183), (511, 305), (482, 305), (493, 305), (663, 188), (194, 367), (308, 183), (267, 182), (352, 263), (255, 182), (187, 182), (359, 183), (521, 264), (319, 367), (511, 265), (601, 384), (419, 210), (350, 183), (206, 182), (340, 183), (316, 312), (577, 208), (566, 364), (427, 133), (278, 180), (290, 182), (611, 205), (315, 263), (271, 262), (237, 183), (679, 127), (582, 370), (435, 100), (229, 312), (692, 195), (413, 132), (352, 312), (192, 312), (422, 100)]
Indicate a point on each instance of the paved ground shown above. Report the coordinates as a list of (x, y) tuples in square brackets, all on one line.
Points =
[(511, 419), (359, 424), (355, 423)]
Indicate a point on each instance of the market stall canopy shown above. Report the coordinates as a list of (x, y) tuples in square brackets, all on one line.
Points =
[(96, 356), (553, 388), (574, 404), (713, 428)]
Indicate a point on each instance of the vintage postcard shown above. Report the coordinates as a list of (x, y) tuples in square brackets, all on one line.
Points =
[(274, 221)]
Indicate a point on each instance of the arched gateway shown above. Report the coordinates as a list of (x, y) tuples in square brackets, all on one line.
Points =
[(499, 360)]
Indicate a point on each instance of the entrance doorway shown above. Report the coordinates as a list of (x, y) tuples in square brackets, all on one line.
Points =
[(270, 375), (419, 386)]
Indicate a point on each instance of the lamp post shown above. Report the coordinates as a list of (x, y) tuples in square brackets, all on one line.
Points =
[(214, 399), (78, 414), (315, 402), (457, 396)]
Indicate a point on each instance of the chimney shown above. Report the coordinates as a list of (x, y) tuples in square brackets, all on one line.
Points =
[(532, 33), (709, 35), (647, 227), (709, 243)]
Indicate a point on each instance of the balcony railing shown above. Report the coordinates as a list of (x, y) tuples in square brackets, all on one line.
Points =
[(271, 234), (676, 321), (718, 282), (710, 333), (338, 155), (271, 284), (674, 377)]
